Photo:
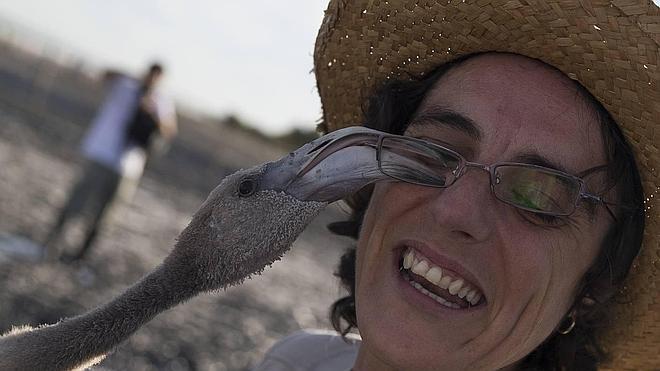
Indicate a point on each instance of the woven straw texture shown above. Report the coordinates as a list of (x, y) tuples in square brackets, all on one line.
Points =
[(611, 47)]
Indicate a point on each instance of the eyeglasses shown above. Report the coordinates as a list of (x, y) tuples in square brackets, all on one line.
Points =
[(528, 187)]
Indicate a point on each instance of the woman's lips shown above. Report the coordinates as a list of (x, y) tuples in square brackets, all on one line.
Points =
[(444, 274), (444, 286)]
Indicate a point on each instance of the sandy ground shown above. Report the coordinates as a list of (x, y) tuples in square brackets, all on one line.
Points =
[(228, 330)]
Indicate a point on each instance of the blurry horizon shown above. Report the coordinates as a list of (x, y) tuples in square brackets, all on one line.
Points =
[(250, 60)]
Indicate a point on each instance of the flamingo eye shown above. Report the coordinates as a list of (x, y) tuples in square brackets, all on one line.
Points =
[(247, 187)]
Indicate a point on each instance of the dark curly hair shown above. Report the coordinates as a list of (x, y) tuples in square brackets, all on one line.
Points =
[(392, 107)]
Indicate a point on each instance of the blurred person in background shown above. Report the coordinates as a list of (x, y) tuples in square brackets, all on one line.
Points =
[(133, 117)]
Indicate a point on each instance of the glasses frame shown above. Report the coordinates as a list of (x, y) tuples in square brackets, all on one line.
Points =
[(464, 164)]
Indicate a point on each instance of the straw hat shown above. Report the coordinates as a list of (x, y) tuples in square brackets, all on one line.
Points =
[(611, 47)]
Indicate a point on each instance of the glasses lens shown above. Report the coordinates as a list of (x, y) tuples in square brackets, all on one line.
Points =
[(535, 189), (417, 162)]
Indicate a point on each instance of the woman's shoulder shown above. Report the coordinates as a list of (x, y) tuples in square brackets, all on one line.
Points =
[(312, 350)]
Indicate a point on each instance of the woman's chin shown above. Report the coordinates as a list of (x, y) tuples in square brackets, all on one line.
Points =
[(404, 325)]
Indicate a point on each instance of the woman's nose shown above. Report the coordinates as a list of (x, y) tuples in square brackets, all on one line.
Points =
[(466, 208)]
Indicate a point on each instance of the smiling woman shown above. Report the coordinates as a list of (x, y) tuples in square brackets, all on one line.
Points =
[(508, 243), (480, 283)]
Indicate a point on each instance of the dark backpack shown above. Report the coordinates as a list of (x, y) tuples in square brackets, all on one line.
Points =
[(142, 126)]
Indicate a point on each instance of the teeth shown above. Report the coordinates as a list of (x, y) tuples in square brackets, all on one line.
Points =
[(433, 296), (421, 268), (455, 286), (434, 275), (463, 292), (417, 264), (444, 282), (408, 259)]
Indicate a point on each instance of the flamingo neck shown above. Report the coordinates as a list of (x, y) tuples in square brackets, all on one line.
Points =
[(78, 340)]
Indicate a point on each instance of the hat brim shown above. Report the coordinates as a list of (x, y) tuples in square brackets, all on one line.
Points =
[(611, 47)]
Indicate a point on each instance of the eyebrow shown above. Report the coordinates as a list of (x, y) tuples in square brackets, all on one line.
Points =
[(536, 159), (455, 120), (447, 117)]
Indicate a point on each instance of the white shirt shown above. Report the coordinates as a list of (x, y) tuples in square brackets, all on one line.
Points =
[(312, 350), (105, 141)]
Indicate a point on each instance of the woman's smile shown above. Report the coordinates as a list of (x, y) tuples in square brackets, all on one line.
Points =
[(438, 282)]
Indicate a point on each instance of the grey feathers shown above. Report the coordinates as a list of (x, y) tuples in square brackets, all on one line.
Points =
[(240, 236)]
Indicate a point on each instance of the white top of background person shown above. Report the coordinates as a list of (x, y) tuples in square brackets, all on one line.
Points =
[(105, 141)]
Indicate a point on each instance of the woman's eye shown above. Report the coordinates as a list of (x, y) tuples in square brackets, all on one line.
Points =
[(522, 198), (526, 200), (546, 219)]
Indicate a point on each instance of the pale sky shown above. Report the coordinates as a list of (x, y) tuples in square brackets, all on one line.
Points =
[(252, 58)]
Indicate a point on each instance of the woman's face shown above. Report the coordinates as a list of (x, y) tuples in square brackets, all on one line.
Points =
[(521, 273)]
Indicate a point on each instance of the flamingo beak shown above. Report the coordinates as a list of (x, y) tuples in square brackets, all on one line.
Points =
[(328, 168)]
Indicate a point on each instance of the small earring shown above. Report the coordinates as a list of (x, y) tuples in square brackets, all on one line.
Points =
[(566, 329)]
